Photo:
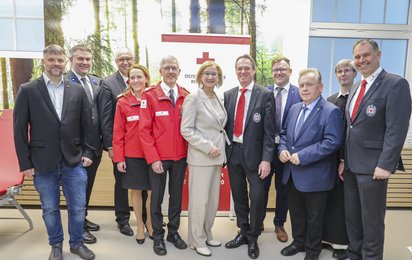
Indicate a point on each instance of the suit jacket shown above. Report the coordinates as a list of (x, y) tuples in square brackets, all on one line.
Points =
[(334, 100), (320, 136), (293, 98), (42, 140), (259, 129), (99, 118), (202, 129), (376, 136), (112, 87)]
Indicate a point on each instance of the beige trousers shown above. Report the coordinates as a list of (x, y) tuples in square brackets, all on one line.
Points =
[(204, 188)]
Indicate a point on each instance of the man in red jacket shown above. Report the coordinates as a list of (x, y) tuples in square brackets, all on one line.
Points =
[(165, 150)]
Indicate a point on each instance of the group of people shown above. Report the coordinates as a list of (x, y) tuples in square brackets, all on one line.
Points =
[(331, 158)]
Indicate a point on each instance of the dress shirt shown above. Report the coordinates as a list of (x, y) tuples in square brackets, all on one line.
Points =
[(248, 94), (310, 108), (56, 93), (166, 90), (125, 79), (284, 94), (369, 83), (89, 85)]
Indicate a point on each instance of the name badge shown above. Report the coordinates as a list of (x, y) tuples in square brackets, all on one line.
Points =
[(143, 104), (132, 118), (162, 113)]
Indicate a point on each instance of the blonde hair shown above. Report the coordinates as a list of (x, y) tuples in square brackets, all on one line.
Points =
[(209, 64)]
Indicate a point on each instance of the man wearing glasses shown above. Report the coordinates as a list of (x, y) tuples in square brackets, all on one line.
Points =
[(165, 150), (285, 95)]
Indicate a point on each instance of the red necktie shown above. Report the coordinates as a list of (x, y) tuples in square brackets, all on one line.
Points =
[(128, 82), (359, 99), (240, 113)]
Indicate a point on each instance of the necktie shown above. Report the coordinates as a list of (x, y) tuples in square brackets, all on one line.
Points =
[(128, 82), (240, 114), (359, 99), (87, 89), (172, 96), (278, 114), (300, 121)]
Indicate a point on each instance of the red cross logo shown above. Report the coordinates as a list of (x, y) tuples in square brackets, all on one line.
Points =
[(371, 110), (205, 57)]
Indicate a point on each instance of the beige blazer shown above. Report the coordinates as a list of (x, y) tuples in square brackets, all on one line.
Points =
[(202, 129)]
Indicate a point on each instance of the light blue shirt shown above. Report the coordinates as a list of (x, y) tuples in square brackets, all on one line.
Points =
[(310, 107), (56, 93)]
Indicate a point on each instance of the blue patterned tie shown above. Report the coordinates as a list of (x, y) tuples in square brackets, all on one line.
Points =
[(300, 121)]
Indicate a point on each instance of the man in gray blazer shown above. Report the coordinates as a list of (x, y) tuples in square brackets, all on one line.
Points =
[(377, 113), (52, 130), (251, 132), (113, 86)]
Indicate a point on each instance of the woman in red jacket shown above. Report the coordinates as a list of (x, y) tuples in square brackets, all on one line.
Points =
[(127, 149)]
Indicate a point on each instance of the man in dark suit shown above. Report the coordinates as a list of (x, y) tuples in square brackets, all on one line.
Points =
[(250, 129), (334, 228), (113, 86), (52, 123), (377, 113), (81, 64), (285, 95), (313, 132)]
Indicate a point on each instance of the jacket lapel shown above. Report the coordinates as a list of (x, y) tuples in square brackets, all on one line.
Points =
[(206, 102), (45, 94), (66, 97), (252, 103), (291, 96), (311, 116)]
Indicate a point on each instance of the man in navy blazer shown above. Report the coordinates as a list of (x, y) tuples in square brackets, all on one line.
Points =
[(313, 131), (285, 95), (374, 139)]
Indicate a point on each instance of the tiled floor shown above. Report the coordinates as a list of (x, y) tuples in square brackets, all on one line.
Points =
[(17, 243)]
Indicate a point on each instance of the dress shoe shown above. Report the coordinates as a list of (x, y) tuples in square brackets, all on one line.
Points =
[(281, 234), (90, 226), (82, 251), (292, 249), (253, 249), (340, 254), (140, 241), (176, 240), (213, 243), (125, 229), (56, 252), (159, 247), (239, 240), (309, 256), (88, 238), (204, 251)]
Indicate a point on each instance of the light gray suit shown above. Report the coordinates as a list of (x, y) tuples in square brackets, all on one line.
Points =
[(203, 129)]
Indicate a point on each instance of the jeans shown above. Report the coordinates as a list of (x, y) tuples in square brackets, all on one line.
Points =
[(73, 181)]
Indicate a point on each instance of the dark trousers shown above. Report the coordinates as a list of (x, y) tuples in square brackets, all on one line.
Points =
[(121, 199), (238, 174), (176, 171), (365, 208), (307, 210), (334, 228), (91, 176), (281, 209)]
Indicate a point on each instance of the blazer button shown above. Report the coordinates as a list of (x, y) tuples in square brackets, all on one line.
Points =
[(293, 148), (351, 126), (221, 131), (92, 117)]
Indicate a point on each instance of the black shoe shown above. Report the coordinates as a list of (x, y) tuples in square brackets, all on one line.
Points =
[(253, 249), (309, 256), (125, 229), (176, 240), (56, 252), (90, 226), (159, 247), (340, 254), (140, 241), (82, 251), (239, 240), (292, 249), (88, 238)]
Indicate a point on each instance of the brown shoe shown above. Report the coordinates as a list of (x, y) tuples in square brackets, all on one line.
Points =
[(281, 234)]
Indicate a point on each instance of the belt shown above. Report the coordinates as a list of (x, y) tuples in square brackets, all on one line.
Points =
[(240, 145)]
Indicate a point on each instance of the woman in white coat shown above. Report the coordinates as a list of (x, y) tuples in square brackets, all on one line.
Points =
[(203, 121)]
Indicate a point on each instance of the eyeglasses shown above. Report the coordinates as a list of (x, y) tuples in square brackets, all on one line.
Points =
[(341, 71), (244, 68), (170, 68), (208, 74), (280, 70), (121, 60)]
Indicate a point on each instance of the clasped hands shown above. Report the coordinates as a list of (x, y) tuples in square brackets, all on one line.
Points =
[(285, 156)]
